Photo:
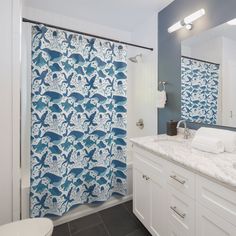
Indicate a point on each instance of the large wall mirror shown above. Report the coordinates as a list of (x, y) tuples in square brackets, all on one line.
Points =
[(208, 76)]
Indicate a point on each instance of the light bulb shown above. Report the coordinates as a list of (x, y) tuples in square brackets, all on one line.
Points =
[(232, 22), (191, 18), (175, 27)]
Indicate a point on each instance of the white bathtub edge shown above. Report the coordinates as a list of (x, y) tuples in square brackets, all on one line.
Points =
[(88, 211)]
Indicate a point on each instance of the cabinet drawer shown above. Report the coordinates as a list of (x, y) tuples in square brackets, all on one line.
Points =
[(181, 213), (181, 179), (150, 170), (217, 198)]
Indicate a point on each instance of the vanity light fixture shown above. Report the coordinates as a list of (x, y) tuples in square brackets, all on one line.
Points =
[(232, 22), (187, 21)]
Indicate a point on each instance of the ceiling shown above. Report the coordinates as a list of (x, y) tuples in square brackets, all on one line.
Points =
[(119, 14)]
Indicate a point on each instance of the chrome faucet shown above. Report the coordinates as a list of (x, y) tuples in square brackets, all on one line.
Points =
[(186, 130)]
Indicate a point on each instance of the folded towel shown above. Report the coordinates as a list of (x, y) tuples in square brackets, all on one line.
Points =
[(227, 137), (208, 144), (161, 99)]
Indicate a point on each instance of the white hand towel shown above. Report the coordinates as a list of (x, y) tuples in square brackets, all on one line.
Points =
[(161, 99), (227, 137), (208, 144)]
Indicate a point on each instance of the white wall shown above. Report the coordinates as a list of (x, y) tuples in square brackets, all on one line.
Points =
[(144, 78), (72, 23), (10, 22), (210, 50), (6, 112)]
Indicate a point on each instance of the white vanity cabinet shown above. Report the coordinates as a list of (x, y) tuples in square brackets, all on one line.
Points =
[(173, 201), (149, 195), (209, 223)]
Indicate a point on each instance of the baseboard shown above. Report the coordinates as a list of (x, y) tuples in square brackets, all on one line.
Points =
[(85, 210)]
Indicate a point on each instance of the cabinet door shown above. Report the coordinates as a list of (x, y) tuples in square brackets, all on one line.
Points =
[(157, 203), (208, 223), (140, 196)]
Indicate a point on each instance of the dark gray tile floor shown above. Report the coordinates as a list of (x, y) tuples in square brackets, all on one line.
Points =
[(116, 221)]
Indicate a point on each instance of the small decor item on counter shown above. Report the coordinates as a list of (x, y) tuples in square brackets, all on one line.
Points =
[(171, 129)]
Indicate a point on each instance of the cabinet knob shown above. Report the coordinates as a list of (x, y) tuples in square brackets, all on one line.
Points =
[(146, 177)]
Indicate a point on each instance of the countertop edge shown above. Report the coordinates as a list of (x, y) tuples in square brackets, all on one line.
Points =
[(195, 171)]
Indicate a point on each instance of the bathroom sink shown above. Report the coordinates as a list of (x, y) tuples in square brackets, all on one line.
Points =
[(234, 165), (173, 145), (169, 141)]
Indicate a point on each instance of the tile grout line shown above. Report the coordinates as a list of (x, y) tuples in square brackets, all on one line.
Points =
[(126, 208), (68, 225), (132, 215), (85, 228), (104, 225)]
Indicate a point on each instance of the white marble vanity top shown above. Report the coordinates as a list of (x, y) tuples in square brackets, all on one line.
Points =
[(221, 167)]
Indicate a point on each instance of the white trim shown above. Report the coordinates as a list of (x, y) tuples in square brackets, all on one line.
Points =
[(16, 72), (85, 210)]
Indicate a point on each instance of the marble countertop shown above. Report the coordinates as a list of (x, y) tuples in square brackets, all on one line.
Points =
[(221, 167)]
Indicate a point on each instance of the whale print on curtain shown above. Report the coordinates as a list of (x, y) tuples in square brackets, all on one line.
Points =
[(199, 90), (78, 152)]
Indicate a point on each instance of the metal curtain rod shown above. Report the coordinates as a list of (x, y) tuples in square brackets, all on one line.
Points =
[(192, 58), (86, 34)]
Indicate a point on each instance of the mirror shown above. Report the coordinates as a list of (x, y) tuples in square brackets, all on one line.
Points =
[(208, 76)]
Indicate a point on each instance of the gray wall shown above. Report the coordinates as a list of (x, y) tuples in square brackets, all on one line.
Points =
[(169, 46)]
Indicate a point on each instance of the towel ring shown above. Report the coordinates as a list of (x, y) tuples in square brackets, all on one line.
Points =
[(163, 83)]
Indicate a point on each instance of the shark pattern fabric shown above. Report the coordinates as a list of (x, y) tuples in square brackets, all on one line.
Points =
[(79, 113), (199, 90)]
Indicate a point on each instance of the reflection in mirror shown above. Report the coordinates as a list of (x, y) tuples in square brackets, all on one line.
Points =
[(208, 77)]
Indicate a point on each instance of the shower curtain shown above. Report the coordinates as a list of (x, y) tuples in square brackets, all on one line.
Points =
[(78, 141), (199, 90)]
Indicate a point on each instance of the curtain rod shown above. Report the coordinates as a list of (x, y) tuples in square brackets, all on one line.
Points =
[(86, 34), (191, 58)]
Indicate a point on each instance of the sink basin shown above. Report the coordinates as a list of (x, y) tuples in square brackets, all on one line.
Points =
[(169, 141), (174, 145), (234, 165)]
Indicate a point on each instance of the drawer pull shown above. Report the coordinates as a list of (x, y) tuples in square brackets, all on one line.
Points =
[(182, 215), (174, 177)]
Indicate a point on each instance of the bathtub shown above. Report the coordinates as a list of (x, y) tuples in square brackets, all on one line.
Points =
[(79, 211)]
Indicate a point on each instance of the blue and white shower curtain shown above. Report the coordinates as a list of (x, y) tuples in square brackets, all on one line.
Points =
[(199, 90), (78, 143)]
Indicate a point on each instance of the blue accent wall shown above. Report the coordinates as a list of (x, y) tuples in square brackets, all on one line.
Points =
[(169, 47)]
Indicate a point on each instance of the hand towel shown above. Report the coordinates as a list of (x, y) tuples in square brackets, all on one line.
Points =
[(208, 144), (227, 137), (161, 99)]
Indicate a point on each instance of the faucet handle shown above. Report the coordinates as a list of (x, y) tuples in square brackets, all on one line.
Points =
[(186, 133)]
